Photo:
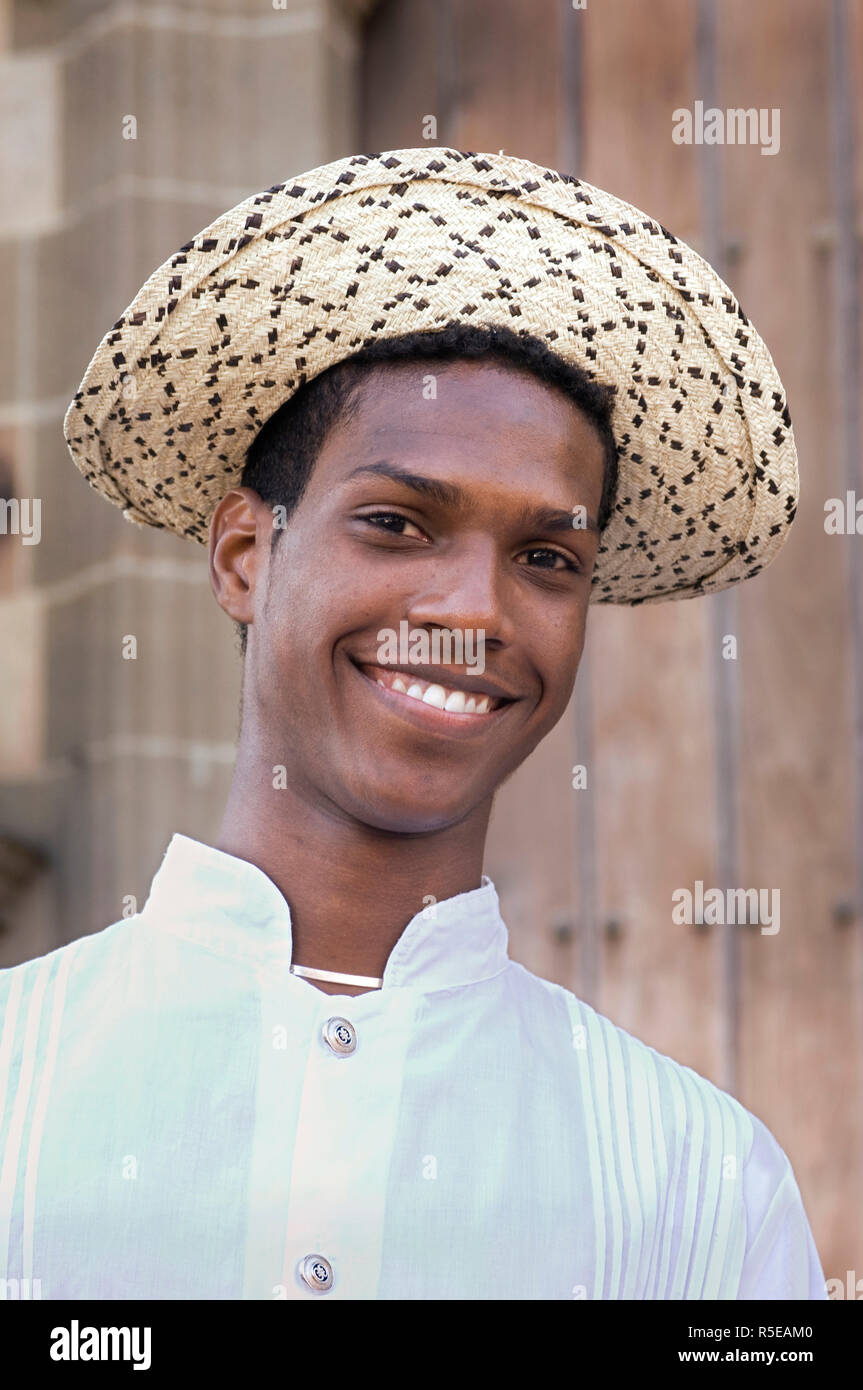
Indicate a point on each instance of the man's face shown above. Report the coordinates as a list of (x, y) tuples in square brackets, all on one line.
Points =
[(466, 550)]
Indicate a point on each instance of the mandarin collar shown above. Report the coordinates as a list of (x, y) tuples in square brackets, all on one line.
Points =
[(230, 906)]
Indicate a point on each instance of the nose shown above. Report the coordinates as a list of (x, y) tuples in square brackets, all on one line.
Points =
[(464, 590)]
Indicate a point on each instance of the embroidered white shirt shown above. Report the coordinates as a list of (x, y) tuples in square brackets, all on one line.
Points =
[(180, 1118)]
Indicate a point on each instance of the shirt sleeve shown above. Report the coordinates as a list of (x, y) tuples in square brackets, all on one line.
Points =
[(781, 1260)]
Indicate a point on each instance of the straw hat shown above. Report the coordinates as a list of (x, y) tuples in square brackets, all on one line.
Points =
[(295, 279)]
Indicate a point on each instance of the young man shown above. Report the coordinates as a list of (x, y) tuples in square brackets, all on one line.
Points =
[(438, 395)]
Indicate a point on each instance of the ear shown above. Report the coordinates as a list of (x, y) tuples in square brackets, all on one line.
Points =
[(241, 530)]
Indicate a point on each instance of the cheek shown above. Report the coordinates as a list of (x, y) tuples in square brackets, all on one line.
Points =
[(558, 665), (308, 629)]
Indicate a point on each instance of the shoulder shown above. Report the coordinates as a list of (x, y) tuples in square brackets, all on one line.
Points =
[(697, 1107), (731, 1178), (688, 1162), (782, 1260), (622, 1077), (39, 988)]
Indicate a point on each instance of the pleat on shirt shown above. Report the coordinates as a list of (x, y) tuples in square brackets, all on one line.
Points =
[(666, 1162)]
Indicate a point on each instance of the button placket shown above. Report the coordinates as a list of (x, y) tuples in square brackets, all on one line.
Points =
[(340, 1167)]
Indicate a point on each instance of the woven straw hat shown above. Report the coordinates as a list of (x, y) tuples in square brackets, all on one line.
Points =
[(295, 279)]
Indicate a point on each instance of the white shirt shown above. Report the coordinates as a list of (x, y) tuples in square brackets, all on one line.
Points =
[(174, 1124)]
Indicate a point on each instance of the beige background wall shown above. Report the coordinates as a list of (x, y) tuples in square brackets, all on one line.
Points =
[(745, 773)]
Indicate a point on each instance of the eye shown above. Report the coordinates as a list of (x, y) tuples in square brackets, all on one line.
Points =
[(568, 563), (383, 521)]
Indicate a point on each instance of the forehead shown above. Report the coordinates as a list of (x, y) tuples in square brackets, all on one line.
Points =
[(481, 435), (468, 399)]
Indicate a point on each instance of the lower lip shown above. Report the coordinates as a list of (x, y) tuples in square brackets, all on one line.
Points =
[(429, 717)]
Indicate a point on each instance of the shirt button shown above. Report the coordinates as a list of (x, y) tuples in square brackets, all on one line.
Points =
[(317, 1272), (340, 1036)]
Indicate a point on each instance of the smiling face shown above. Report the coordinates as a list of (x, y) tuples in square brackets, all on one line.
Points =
[(452, 514)]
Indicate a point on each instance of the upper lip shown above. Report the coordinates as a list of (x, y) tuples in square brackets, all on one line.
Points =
[(454, 680)]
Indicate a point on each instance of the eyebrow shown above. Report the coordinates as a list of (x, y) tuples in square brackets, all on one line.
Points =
[(451, 495)]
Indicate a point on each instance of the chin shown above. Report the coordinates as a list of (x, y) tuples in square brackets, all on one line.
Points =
[(416, 811)]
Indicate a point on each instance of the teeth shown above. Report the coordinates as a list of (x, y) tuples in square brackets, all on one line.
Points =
[(440, 696)]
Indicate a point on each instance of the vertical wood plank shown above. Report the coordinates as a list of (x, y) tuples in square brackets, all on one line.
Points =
[(800, 1040), (654, 772)]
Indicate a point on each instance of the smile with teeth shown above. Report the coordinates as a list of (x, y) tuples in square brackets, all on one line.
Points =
[(429, 693)]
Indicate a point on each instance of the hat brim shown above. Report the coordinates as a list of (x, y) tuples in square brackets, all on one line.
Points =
[(299, 277)]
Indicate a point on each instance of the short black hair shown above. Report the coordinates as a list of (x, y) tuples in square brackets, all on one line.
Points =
[(281, 457)]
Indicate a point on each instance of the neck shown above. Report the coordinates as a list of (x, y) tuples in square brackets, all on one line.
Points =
[(351, 888)]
